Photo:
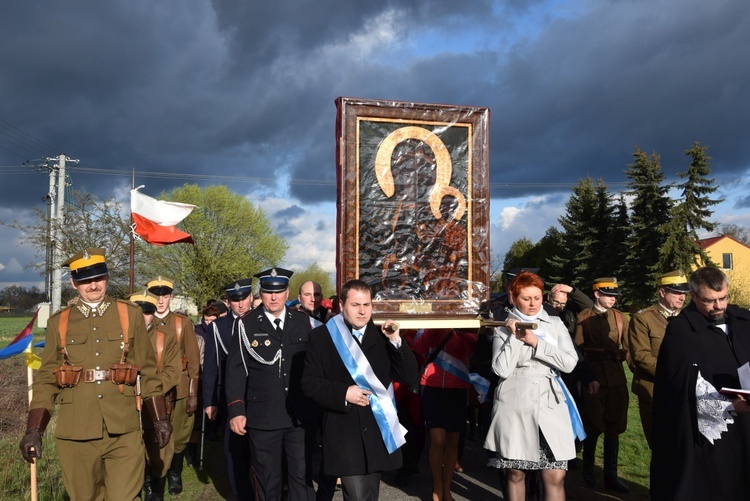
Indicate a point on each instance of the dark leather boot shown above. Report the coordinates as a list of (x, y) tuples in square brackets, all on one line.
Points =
[(158, 487), (148, 485), (589, 457), (174, 475), (611, 451)]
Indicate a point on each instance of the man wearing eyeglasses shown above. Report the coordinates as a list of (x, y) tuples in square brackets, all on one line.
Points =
[(645, 335), (701, 439)]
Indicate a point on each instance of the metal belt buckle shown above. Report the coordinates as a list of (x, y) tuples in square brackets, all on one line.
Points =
[(92, 375)]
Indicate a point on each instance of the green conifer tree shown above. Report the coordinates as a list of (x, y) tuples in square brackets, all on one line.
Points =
[(572, 264), (649, 212), (681, 248)]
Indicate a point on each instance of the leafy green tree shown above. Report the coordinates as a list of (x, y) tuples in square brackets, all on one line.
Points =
[(315, 273), (690, 215), (233, 239), (523, 253), (517, 254), (649, 212)]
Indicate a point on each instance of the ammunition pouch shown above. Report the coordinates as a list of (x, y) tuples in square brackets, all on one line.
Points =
[(68, 376), (124, 373)]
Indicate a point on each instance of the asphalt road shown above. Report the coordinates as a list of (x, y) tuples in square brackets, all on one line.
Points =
[(480, 483)]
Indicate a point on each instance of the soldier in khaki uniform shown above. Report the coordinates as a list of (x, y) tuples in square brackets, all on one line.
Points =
[(644, 339), (186, 403), (94, 348), (169, 367), (599, 331)]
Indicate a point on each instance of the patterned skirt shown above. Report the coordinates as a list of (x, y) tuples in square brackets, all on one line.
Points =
[(546, 460)]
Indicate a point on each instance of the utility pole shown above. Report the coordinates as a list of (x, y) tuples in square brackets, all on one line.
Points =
[(57, 222)]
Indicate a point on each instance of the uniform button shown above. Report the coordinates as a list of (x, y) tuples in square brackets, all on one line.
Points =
[(72, 340), (97, 353), (97, 368), (99, 396), (93, 328), (97, 340), (98, 382), (364, 429)]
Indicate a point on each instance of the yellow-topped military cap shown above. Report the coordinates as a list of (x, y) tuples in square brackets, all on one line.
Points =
[(161, 285), (675, 281), (146, 301), (87, 264), (607, 285)]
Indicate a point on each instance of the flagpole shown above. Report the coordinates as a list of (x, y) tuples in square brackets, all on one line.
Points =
[(30, 381), (131, 274)]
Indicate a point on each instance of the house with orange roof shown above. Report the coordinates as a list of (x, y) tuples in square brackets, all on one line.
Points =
[(733, 257)]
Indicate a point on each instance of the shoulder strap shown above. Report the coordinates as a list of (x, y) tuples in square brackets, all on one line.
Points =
[(159, 350), (619, 322), (122, 310), (439, 348), (178, 327), (62, 328), (659, 318)]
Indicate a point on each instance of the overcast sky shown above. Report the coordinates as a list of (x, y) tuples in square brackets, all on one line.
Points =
[(244, 92)]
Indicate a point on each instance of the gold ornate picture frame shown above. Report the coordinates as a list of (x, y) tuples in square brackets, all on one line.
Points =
[(413, 205)]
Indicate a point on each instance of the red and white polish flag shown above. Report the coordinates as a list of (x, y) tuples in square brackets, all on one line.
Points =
[(155, 221)]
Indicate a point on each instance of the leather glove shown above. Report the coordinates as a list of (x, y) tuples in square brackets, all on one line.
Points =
[(192, 399), (31, 443), (157, 407)]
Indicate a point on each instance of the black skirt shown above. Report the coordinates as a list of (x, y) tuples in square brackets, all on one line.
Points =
[(444, 408)]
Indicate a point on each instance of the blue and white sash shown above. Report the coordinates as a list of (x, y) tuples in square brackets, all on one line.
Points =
[(575, 416), (382, 400), (454, 366)]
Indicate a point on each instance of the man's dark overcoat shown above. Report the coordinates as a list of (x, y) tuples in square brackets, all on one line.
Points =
[(352, 443), (685, 465)]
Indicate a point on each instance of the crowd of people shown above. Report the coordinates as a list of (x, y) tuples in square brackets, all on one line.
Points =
[(309, 399)]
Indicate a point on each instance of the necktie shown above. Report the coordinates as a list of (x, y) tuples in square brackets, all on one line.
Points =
[(358, 335), (278, 325)]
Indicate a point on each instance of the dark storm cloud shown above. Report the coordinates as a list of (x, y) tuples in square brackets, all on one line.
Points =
[(578, 100), (247, 89)]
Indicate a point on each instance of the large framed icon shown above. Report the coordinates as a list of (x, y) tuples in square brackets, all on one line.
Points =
[(413, 205)]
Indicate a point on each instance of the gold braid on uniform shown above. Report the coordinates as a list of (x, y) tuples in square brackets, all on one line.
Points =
[(86, 309)]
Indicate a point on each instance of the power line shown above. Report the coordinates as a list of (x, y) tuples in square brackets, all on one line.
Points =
[(11, 130)]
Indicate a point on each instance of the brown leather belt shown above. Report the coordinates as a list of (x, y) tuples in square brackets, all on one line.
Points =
[(598, 355), (92, 375)]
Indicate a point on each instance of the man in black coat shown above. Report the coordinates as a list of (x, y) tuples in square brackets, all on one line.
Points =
[(348, 371), (218, 343), (706, 343), (263, 389)]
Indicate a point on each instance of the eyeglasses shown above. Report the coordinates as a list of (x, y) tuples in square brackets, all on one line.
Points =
[(709, 302), (558, 303)]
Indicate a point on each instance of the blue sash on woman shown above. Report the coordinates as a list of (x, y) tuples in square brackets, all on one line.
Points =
[(575, 416), (454, 366), (382, 400)]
